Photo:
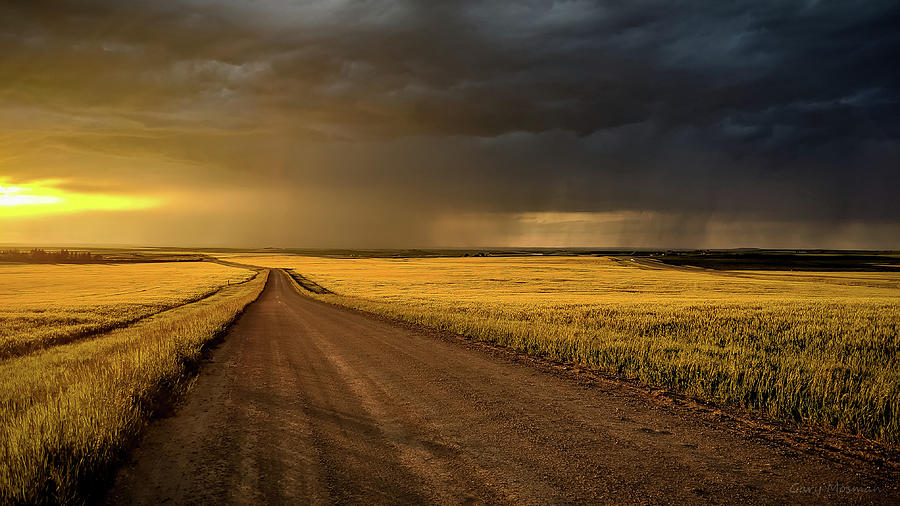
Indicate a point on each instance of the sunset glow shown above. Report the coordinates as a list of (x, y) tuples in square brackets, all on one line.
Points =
[(19, 196), (46, 198)]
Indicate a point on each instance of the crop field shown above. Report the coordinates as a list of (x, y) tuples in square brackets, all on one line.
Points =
[(46, 305), (814, 347), (69, 408)]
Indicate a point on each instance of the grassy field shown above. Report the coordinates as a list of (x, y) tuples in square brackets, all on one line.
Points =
[(46, 305), (68, 411), (816, 347)]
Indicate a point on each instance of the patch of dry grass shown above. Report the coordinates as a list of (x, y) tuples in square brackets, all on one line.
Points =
[(821, 348), (45, 305), (68, 412)]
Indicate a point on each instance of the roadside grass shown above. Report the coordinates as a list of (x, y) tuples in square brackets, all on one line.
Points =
[(816, 348), (69, 412), (46, 305)]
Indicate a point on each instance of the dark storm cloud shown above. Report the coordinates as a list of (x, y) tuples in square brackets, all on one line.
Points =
[(753, 109), (481, 68)]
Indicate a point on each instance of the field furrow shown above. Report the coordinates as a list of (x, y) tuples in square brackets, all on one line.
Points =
[(47, 305)]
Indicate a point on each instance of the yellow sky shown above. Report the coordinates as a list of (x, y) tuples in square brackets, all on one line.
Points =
[(38, 198)]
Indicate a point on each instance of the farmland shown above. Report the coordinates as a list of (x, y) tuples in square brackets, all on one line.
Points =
[(90, 352), (45, 305), (818, 348)]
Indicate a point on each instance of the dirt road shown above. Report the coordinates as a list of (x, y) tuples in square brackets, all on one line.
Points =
[(309, 403)]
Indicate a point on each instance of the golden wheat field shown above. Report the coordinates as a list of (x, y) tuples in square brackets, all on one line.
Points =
[(816, 347), (43, 305), (68, 410)]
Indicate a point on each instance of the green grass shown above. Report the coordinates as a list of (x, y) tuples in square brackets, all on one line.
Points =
[(67, 413)]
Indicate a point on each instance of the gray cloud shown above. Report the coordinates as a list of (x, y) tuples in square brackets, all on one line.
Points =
[(753, 110)]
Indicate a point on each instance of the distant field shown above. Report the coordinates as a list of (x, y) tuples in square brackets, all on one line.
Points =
[(76, 383), (817, 347), (45, 305)]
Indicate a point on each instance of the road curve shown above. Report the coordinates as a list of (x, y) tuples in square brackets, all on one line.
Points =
[(305, 402)]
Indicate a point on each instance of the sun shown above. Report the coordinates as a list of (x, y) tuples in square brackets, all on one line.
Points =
[(24, 196), (48, 197)]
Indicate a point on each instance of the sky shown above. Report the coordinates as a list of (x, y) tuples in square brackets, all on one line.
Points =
[(387, 123)]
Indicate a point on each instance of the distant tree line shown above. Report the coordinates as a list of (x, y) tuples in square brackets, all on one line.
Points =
[(40, 256)]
